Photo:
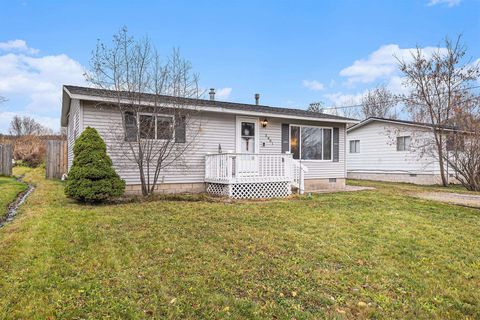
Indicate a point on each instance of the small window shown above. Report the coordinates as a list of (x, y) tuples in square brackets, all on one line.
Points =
[(354, 146), (248, 129), (403, 143), (164, 128), (455, 142), (248, 137), (147, 126)]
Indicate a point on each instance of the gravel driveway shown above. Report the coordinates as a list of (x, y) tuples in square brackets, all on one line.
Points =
[(467, 200)]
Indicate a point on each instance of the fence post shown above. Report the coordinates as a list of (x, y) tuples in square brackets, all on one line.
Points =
[(56, 159), (6, 156)]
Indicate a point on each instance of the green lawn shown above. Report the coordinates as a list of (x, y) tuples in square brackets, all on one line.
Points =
[(9, 189), (369, 254)]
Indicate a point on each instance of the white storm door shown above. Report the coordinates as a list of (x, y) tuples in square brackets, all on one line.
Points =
[(247, 146)]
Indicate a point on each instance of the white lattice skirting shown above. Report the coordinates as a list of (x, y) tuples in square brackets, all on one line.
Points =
[(256, 190)]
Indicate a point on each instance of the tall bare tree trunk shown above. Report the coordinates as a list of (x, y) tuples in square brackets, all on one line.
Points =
[(149, 140), (434, 81)]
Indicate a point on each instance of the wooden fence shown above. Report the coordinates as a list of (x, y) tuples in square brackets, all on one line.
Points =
[(6, 156), (56, 159)]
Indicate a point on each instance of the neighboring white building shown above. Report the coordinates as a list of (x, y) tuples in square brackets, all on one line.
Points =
[(265, 150), (388, 150)]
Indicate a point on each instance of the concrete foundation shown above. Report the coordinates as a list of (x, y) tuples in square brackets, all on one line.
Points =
[(324, 184), (172, 188), (168, 188), (422, 179)]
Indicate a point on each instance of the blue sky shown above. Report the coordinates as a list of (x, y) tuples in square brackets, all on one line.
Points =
[(291, 52)]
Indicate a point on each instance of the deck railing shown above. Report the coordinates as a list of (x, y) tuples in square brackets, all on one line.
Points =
[(250, 168)]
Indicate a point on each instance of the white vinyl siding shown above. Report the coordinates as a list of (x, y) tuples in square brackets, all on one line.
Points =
[(216, 129), (73, 129), (316, 169), (379, 151)]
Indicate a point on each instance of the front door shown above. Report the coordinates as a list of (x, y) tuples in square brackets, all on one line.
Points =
[(247, 146)]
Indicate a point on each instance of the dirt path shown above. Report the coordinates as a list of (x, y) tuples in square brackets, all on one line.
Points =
[(467, 200)]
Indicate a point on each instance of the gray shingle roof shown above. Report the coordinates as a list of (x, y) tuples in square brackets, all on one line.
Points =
[(412, 123), (208, 103)]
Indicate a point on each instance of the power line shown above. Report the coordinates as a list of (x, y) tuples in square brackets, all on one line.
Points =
[(397, 100)]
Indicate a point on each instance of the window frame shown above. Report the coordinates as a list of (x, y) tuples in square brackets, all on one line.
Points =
[(155, 115), (404, 147), (354, 143), (127, 127), (453, 140), (300, 144), (172, 126)]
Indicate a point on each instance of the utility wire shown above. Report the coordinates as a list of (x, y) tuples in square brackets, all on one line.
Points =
[(397, 100)]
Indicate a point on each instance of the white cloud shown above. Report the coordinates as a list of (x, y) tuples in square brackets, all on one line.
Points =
[(396, 85), (381, 64), (17, 45), (313, 85), (450, 3), (340, 99), (33, 84), (224, 93), (38, 78)]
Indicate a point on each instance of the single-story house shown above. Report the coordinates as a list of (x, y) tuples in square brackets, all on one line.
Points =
[(241, 150), (394, 150)]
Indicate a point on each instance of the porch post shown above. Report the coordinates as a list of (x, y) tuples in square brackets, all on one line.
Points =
[(301, 187)]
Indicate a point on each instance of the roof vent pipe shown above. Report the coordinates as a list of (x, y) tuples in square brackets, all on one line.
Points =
[(257, 98), (212, 94)]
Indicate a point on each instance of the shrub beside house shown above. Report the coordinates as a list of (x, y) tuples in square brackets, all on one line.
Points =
[(92, 178)]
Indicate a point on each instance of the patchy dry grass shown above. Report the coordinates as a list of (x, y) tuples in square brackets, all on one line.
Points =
[(9, 189), (411, 188), (369, 254)]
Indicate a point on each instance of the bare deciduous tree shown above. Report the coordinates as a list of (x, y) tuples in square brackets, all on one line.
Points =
[(433, 82), (156, 130), (316, 107), (335, 110), (462, 148), (26, 126), (347, 108), (378, 102)]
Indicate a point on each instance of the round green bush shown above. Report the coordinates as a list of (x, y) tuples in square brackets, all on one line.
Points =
[(92, 177)]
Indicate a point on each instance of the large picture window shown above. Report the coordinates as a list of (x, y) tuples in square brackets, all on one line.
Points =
[(311, 143)]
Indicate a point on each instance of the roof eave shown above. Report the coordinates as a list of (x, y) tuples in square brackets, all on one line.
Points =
[(203, 108), (66, 99), (367, 121)]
